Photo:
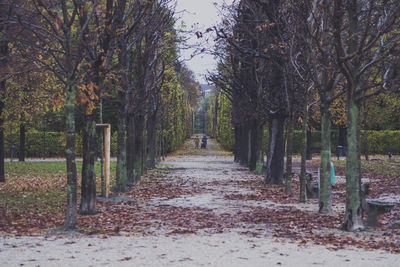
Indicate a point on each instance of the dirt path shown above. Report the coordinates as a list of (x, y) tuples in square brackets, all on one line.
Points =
[(226, 224)]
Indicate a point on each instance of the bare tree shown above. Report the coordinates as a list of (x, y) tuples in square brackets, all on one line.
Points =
[(365, 36)]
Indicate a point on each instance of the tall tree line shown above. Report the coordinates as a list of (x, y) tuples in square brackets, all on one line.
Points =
[(279, 58), (119, 52)]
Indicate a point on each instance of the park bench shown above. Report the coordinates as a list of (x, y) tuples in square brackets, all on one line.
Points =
[(373, 208), (311, 187), (393, 151)]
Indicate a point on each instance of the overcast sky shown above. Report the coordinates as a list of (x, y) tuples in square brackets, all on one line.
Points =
[(203, 14)]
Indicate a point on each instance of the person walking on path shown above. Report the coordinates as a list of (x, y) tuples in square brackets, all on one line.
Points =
[(196, 142), (204, 142)]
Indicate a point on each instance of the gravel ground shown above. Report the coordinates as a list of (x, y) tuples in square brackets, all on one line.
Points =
[(230, 248)]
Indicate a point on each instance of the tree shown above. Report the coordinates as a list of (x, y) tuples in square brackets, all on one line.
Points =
[(316, 18), (98, 46), (4, 12), (365, 36), (58, 33)]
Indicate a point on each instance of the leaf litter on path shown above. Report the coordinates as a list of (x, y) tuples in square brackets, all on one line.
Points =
[(202, 193)]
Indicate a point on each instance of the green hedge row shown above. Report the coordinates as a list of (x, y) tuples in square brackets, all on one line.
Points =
[(379, 142), (52, 144), (226, 137), (37, 144), (47, 144)]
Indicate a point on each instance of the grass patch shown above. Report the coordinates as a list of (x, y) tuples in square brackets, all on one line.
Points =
[(162, 166), (43, 169), (40, 187), (48, 169), (382, 167), (36, 201)]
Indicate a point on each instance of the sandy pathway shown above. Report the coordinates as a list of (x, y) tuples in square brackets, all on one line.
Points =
[(211, 170)]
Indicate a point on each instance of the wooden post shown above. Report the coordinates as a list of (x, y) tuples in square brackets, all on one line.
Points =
[(107, 144)]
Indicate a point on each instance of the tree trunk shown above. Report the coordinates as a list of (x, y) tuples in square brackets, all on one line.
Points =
[(215, 118), (151, 141), (365, 133), (365, 144), (303, 165), (244, 148), (88, 190), (2, 173), (289, 155), (3, 61), (236, 151), (21, 155), (276, 150), (130, 150), (325, 200), (260, 148), (342, 136), (122, 176), (309, 145), (353, 217), (70, 218), (253, 144), (138, 152)]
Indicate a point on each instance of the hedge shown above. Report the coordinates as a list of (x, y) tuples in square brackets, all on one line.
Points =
[(379, 142), (52, 144), (48, 144), (37, 144)]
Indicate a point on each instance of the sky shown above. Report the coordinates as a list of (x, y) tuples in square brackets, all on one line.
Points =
[(202, 14)]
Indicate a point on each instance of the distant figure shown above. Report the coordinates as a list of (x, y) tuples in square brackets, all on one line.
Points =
[(196, 142), (204, 142)]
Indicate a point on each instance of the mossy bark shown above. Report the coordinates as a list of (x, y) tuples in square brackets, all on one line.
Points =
[(88, 190), (289, 155), (70, 218), (353, 217), (260, 149), (325, 200), (303, 164)]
